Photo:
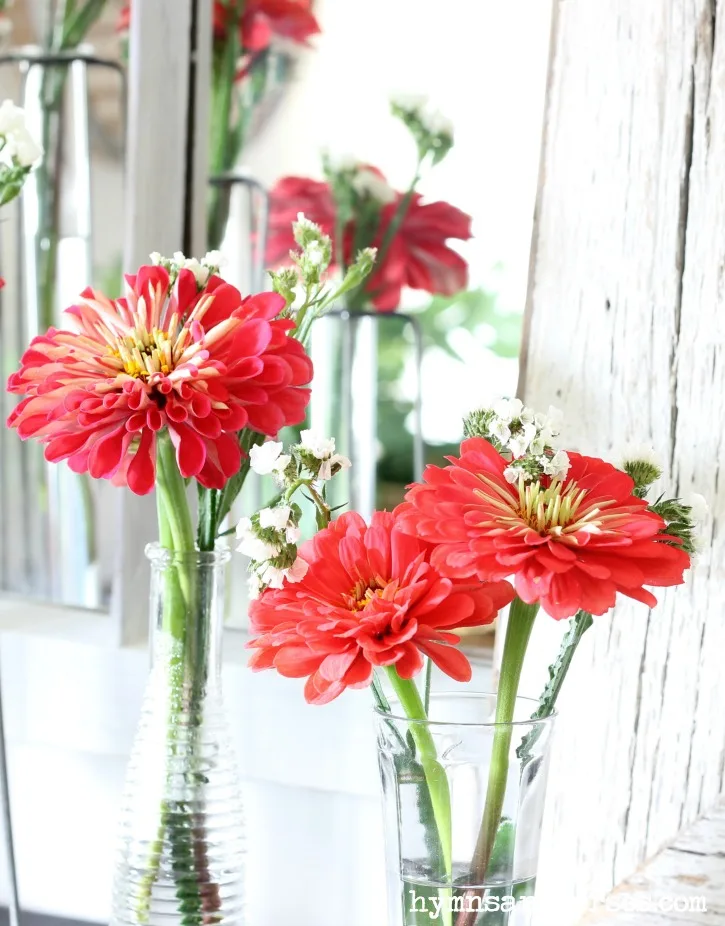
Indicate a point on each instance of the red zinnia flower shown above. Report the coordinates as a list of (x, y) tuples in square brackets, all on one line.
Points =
[(418, 257), (570, 545), (370, 598), (201, 363)]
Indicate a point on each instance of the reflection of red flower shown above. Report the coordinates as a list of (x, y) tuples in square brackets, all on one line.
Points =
[(123, 23), (570, 545), (418, 257), (203, 365), (370, 598), (264, 20), (290, 196), (261, 22)]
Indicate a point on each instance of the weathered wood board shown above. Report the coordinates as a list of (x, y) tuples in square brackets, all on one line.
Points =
[(626, 333)]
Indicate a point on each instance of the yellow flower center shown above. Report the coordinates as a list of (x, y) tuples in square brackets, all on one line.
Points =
[(545, 509), (555, 509), (144, 353), (363, 593)]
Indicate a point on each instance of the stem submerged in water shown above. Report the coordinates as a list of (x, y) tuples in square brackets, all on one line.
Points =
[(435, 774), (520, 623)]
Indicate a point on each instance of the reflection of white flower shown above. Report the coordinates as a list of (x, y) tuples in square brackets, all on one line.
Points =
[(437, 123), (410, 102), (367, 182), (268, 458), (19, 146)]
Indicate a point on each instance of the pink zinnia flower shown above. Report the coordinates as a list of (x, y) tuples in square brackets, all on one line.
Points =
[(370, 597), (569, 544), (202, 363)]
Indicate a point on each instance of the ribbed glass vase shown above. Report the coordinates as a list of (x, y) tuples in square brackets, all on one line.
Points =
[(436, 783), (181, 847)]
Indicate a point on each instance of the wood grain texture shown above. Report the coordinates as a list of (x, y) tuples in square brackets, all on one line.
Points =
[(626, 327), (682, 886)]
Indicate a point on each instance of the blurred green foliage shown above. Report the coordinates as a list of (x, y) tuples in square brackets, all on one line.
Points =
[(476, 312)]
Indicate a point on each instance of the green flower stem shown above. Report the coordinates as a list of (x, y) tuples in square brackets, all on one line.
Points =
[(399, 215), (176, 534), (223, 152), (518, 633), (520, 623), (435, 775)]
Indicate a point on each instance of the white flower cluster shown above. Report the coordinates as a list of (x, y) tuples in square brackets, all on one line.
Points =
[(315, 454), (18, 148), (270, 537), (270, 540), (526, 437), (639, 453), (202, 269)]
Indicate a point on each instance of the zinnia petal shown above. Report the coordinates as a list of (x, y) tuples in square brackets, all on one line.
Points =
[(370, 597)]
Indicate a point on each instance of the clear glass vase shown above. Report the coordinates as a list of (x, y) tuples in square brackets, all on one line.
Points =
[(181, 847), (451, 755)]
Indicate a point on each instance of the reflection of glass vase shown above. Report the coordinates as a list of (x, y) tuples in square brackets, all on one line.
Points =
[(345, 397), (426, 882), (181, 847), (55, 555), (238, 115)]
